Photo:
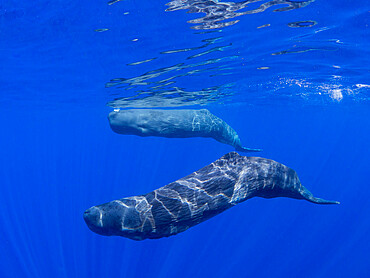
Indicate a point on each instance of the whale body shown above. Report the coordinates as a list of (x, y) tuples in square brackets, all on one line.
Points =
[(179, 123), (176, 207)]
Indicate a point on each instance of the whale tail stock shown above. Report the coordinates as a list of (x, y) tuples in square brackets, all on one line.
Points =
[(307, 195), (246, 150)]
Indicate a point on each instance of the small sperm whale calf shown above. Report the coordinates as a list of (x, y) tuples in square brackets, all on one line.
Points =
[(176, 207), (175, 124)]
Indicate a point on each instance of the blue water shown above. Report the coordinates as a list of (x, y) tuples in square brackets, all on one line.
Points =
[(299, 93)]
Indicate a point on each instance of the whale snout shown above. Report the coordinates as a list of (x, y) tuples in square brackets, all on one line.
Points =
[(113, 118), (92, 215), (94, 219)]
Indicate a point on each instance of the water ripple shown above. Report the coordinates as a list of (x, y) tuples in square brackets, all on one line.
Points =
[(300, 24), (173, 97), (216, 12), (239, 57), (143, 79)]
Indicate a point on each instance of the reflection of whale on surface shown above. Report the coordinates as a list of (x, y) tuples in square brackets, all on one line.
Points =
[(174, 208), (175, 124)]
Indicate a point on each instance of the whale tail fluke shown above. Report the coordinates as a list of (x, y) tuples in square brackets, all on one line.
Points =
[(322, 201), (307, 195), (247, 150)]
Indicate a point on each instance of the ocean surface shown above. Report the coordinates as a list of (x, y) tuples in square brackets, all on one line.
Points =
[(291, 77)]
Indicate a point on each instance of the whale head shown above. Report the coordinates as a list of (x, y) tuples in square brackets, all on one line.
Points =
[(115, 218), (130, 122), (123, 121)]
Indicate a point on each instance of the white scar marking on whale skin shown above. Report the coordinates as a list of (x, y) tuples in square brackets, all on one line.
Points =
[(100, 223), (192, 207), (201, 181), (196, 185), (185, 183), (143, 208), (169, 193), (212, 124), (162, 191), (123, 227), (222, 172), (142, 205), (155, 197), (148, 217), (205, 192), (195, 125), (121, 203)]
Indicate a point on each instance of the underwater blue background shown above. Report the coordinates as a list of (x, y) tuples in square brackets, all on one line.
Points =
[(58, 156)]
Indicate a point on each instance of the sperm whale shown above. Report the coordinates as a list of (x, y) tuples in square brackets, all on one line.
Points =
[(176, 207), (180, 123)]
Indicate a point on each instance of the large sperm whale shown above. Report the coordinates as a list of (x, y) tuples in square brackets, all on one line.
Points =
[(176, 207), (179, 123)]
